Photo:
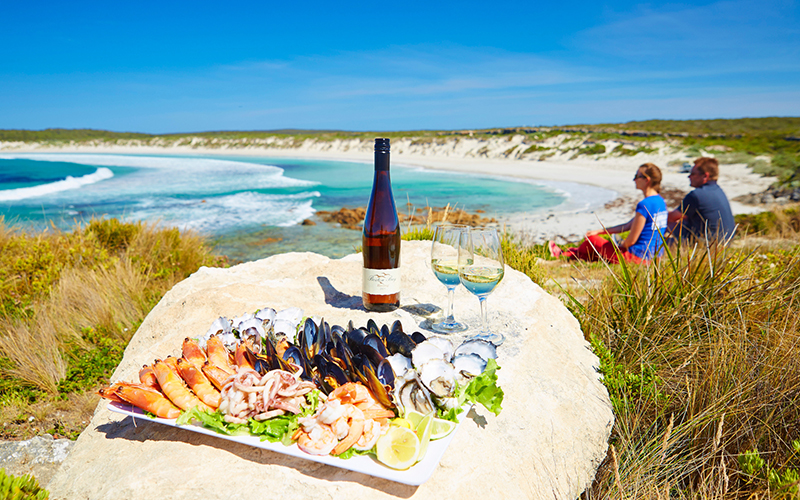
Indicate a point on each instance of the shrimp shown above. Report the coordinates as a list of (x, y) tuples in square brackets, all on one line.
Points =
[(174, 388), (218, 354), (241, 358), (372, 431), (354, 419), (316, 440), (148, 377), (216, 375), (193, 353), (351, 392), (199, 383), (143, 397)]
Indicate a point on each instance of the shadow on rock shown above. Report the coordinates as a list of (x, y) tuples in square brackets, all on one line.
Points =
[(335, 298), (142, 430)]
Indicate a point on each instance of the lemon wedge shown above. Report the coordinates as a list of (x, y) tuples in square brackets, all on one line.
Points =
[(424, 434), (402, 422), (398, 448), (414, 417), (441, 428)]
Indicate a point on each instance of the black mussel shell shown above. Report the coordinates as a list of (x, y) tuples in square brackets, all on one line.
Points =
[(330, 372), (338, 329), (396, 326), (374, 349), (381, 391), (385, 373), (400, 342), (307, 338), (372, 327), (362, 367), (418, 337), (268, 360), (325, 330), (355, 338), (294, 355), (384, 333)]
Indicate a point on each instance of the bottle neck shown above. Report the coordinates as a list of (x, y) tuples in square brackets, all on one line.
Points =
[(381, 161)]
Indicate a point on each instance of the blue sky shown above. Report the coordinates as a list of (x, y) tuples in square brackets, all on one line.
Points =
[(181, 67)]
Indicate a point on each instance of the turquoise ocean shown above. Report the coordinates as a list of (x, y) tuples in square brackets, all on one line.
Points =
[(247, 207)]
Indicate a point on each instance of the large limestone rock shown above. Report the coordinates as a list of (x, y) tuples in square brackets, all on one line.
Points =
[(547, 442)]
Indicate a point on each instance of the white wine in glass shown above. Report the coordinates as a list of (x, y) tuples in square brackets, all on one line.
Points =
[(444, 262), (480, 268)]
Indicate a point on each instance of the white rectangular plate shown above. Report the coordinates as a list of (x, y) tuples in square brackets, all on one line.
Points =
[(364, 464)]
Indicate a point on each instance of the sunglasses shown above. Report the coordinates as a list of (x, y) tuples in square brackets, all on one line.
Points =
[(639, 176)]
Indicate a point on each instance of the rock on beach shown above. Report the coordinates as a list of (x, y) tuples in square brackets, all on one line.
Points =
[(547, 443)]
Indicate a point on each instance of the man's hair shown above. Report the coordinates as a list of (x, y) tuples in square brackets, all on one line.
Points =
[(654, 174), (708, 166)]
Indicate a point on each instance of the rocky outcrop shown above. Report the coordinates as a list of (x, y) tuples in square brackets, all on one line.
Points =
[(352, 218), (40, 456), (547, 442)]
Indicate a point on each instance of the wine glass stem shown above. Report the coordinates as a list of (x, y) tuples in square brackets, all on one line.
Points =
[(484, 314), (451, 294)]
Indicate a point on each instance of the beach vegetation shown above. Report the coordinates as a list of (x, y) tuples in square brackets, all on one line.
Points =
[(21, 488), (72, 300), (594, 149), (535, 148), (699, 353)]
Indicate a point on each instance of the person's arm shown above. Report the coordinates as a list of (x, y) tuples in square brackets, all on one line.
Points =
[(637, 225), (674, 216), (620, 228)]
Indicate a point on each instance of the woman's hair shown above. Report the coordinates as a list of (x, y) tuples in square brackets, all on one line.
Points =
[(708, 166), (653, 173)]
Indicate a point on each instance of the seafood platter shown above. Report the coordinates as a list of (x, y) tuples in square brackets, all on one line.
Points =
[(369, 399)]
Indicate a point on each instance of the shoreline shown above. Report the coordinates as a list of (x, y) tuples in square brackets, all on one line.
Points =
[(607, 180)]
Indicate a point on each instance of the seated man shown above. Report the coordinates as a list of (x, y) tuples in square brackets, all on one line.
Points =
[(705, 212)]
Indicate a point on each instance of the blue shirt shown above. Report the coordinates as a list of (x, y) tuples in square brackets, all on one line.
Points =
[(707, 212), (650, 242)]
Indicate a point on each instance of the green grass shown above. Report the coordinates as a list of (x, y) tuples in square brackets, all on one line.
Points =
[(79, 296), (700, 353)]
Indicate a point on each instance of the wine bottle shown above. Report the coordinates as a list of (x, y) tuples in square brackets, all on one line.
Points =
[(381, 240)]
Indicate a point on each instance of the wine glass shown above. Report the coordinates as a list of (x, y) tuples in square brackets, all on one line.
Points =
[(481, 267), (444, 262)]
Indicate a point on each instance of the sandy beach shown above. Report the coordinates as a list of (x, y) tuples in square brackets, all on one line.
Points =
[(600, 191)]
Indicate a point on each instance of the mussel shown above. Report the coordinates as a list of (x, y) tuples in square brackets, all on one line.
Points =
[(400, 342), (372, 346), (355, 338), (368, 374), (294, 356), (418, 337), (330, 375)]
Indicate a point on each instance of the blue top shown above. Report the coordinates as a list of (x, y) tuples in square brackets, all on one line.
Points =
[(650, 242), (707, 212)]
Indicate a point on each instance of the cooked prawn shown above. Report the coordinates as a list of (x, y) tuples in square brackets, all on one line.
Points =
[(143, 397), (216, 375), (173, 387), (240, 357), (148, 377), (354, 420), (372, 431), (193, 353), (199, 383), (218, 354), (316, 440)]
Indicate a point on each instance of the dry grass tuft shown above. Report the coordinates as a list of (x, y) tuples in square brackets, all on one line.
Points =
[(700, 352), (82, 291)]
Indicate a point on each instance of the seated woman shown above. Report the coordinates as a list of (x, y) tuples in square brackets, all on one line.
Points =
[(645, 239)]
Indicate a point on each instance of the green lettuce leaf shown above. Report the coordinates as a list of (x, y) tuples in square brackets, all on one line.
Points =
[(483, 389)]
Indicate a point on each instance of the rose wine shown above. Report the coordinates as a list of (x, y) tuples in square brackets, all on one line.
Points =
[(381, 240)]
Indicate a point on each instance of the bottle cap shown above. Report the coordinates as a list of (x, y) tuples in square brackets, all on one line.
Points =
[(381, 145)]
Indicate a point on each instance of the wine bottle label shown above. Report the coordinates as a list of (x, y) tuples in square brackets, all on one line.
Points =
[(381, 281)]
